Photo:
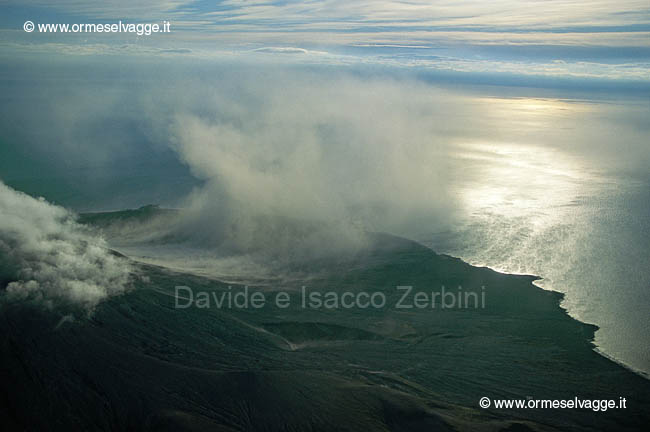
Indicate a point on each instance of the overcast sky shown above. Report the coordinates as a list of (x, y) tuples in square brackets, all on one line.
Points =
[(590, 39)]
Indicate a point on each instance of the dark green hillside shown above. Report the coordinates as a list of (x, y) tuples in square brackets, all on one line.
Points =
[(138, 363)]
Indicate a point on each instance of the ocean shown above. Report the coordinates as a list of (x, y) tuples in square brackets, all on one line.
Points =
[(567, 213)]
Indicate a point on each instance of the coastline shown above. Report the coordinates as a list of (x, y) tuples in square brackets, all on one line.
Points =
[(537, 278), (356, 369)]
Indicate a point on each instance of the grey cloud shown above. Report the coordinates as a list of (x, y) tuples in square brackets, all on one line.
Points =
[(287, 50), (47, 258), (343, 156), (293, 161)]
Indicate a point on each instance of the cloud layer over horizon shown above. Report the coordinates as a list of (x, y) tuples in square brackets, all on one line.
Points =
[(556, 38)]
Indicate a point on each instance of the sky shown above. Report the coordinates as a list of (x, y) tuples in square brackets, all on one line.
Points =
[(506, 41)]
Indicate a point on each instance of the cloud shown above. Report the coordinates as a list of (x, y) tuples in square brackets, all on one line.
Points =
[(288, 50), (288, 162), (302, 164), (338, 23), (47, 258), (595, 39), (125, 9)]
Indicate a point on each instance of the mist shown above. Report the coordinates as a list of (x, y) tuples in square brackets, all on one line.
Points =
[(48, 259), (299, 162), (312, 166)]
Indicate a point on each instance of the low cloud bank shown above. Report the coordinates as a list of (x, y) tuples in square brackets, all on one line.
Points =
[(48, 258), (305, 167), (291, 162)]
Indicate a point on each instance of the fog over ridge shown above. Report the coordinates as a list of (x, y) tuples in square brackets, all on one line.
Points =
[(48, 258), (289, 162)]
